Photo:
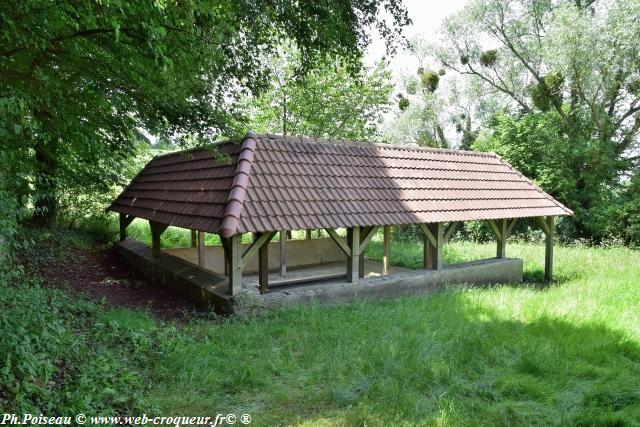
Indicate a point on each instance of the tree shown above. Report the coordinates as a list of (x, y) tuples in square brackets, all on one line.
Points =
[(77, 79), (436, 109), (579, 60), (329, 102)]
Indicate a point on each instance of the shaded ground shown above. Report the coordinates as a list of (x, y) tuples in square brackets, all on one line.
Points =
[(102, 275)]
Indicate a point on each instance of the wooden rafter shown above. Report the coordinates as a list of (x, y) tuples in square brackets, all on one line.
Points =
[(366, 237), (451, 227), (428, 234), (262, 239), (340, 241)]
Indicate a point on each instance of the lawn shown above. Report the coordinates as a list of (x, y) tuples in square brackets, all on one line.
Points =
[(527, 354)]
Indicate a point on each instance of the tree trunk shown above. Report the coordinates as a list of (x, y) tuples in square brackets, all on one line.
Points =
[(46, 202)]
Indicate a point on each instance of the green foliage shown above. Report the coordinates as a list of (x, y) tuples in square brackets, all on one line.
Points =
[(516, 355), (78, 80), (331, 101), (430, 80), (548, 92), (61, 354), (488, 58), (403, 102), (575, 60), (536, 144), (82, 200), (504, 354)]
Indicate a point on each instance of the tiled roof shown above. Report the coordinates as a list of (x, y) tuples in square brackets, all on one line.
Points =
[(269, 183)]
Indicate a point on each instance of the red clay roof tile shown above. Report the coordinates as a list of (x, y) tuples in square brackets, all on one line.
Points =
[(272, 182)]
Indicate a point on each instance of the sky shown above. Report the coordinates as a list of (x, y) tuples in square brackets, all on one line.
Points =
[(427, 17)]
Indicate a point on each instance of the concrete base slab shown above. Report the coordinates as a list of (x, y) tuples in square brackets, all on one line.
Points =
[(407, 283), (199, 285), (326, 285)]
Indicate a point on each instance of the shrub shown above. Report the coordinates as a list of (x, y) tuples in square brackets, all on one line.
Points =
[(58, 354)]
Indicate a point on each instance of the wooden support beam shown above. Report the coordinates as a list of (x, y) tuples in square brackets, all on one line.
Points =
[(194, 238), (548, 251), (451, 227), (502, 226), (125, 220), (434, 251), (426, 244), (283, 253), (156, 231), (263, 261), (386, 249), (227, 253), (259, 239), (542, 222), (432, 247), (512, 224), (308, 234), (366, 235), (235, 267), (353, 260), (426, 230), (339, 241), (201, 251), (495, 228)]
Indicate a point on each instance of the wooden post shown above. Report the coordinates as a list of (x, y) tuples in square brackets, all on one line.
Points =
[(425, 252), (433, 242), (308, 234), (548, 253), (125, 220), (546, 223), (386, 246), (283, 253), (156, 231), (353, 260), (201, 252), (194, 238), (434, 253), (235, 267), (263, 266), (361, 257), (501, 238)]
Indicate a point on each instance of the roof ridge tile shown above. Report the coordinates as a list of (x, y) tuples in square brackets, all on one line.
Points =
[(233, 210)]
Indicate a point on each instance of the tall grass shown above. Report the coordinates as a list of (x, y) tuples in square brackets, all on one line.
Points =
[(568, 353)]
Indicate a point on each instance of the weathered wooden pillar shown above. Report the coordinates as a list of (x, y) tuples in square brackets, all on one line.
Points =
[(201, 251), (386, 246), (434, 254), (124, 220), (283, 253), (425, 252), (548, 252), (502, 226), (263, 266), (308, 234), (547, 226), (194, 238), (156, 231), (235, 265), (353, 259)]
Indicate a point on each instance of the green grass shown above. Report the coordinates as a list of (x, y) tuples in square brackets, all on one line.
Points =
[(528, 354), (517, 355)]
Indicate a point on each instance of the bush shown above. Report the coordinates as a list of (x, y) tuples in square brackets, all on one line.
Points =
[(59, 353)]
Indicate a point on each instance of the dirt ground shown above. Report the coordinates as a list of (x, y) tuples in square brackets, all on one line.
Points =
[(105, 277)]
